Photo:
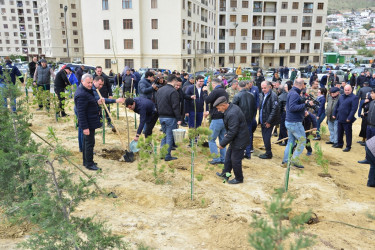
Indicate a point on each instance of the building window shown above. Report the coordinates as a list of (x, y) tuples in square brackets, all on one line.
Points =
[(320, 6), (232, 46), (4, 18), (107, 44), (245, 18), (284, 5), (232, 59), (74, 24), (282, 46), (154, 24), (127, 24), (75, 41), (126, 4), (295, 5), (282, 32), (64, 50), (128, 43), (155, 44), (154, 4), (319, 19), (183, 44), (315, 59), (61, 6), (316, 45), (129, 63), (318, 32), (62, 32), (64, 41), (104, 4), (245, 4), (75, 32), (243, 46), (28, 18), (243, 32), (155, 63), (5, 26), (233, 18), (292, 59), (293, 32), (76, 49), (74, 15), (15, 26), (243, 59), (232, 32), (73, 6), (233, 3), (12, 11), (283, 19), (107, 63), (292, 46), (106, 24)]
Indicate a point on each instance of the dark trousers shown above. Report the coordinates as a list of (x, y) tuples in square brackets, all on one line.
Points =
[(371, 175), (88, 148), (61, 100), (283, 131), (308, 143), (193, 116), (150, 125), (44, 87), (266, 134), (233, 160), (347, 128), (250, 146), (370, 131), (253, 127)]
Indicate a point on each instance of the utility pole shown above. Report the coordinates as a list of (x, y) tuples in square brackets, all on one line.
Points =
[(235, 31), (321, 48), (66, 31)]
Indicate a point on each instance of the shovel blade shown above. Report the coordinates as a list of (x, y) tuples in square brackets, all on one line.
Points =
[(128, 156)]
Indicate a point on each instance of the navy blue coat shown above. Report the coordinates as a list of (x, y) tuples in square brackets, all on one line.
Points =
[(346, 107), (372, 83), (255, 91), (295, 107), (145, 108), (322, 106), (87, 108), (199, 101)]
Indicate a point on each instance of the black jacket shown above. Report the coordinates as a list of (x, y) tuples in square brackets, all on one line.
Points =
[(246, 101), (211, 98), (363, 92), (282, 101), (258, 81), (361, 80), (61, 80), (106, 90), (87, 108), (237, 132), (183, 96), (371, 114), (79, 74), (168, 102), (270, 111), (145, 108)]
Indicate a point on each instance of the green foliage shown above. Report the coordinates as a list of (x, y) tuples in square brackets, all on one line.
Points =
[(274, 232), (365, 52), (199, 177), (320, 159)]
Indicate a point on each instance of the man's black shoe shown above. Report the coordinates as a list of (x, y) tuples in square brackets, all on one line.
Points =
[(362, 143), (275, 134), (93, 167), (173, 148), (297, 165), (346, 150), (337, 146), (170, 158), (214, 162), (317, 138), (234, 181), (220, 174), (329, 142), (184, 124), (247, 156), (63, 114), (365, 161), (265, 156)]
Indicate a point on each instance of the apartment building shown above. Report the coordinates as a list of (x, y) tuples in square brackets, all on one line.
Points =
[(149, 33), (270, 33), (37, 27)]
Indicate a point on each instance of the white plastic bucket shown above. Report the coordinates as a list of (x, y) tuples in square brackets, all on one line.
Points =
[(178, 135)]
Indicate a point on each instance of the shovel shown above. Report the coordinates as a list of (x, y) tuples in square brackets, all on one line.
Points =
[(128, 156)]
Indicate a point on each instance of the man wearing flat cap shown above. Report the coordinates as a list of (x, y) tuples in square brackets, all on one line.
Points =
[(237, 137), (333, 98)]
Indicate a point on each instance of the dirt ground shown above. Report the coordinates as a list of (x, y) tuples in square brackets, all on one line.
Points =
[(163, 216)]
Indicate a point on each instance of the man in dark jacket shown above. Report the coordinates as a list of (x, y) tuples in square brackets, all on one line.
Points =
[(282, 104), (148, 114), (80, 72), (361, 79), (295, 113), (14, 73), (246, 101), (183, 97), (88, 119), (106, 91), (258, 80), (137, 78), (344, 112), (127, 81), (195, 108), (269, 116), (370, 130), (60, 84), (147, 87), (353, 80), (237, 137), (362, 93), (333, 98), (217, 124), (33, 65), (168, 106)]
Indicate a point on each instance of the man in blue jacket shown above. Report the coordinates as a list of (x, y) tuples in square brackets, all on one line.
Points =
[(147, 87), (13, 73), (295, 113), (88, 119), (195, 112), (148, 114), (344, 112)]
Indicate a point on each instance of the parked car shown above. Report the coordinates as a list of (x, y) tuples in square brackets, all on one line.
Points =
[(361, 69), (339, 73), (347, 67), (88, 68)]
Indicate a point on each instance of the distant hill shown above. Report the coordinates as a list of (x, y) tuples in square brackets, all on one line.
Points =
[(349, 4)]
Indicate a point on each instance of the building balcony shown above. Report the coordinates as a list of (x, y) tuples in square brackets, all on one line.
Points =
[(257, 9), (270, 10), (257, 38), (189, 51), (189, 13), (189, 32), (255, 50), (221, 23), (203, 51), (203, 18), (305, 51), (307, 10), (305, 38), (221, 37), (222, 8), (24, 44), (271, 24), (221, 51), (203, 35), (268, 51), (269, 38), (306, 24)]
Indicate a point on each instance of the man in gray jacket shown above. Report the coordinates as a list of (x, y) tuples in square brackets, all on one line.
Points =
[(42, 79)]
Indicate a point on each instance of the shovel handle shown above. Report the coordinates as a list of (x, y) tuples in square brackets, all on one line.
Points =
[(286, 138), (109, 114)]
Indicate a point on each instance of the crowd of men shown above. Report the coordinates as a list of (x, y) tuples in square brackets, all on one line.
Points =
[(293, 108)]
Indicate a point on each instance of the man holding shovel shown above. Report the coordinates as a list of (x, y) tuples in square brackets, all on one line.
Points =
[(88, 119)]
